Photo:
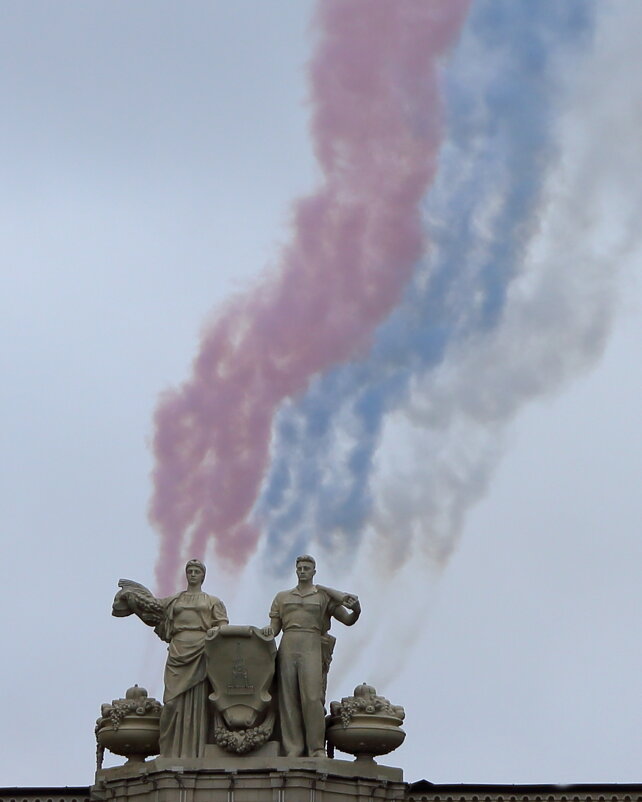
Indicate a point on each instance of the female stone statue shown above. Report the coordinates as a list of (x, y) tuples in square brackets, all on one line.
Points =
[(183, 620)]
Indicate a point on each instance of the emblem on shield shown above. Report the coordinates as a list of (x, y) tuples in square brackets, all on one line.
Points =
[(240, 667)]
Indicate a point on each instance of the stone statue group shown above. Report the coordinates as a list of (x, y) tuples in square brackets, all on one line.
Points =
[(219, 679)]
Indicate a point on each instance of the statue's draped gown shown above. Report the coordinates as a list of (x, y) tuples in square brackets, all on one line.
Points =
[(183, 724)]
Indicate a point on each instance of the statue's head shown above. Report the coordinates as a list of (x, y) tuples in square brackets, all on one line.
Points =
[(195, 572), (305, 567)]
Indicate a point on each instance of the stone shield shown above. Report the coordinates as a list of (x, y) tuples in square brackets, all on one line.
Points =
[(240, 667)]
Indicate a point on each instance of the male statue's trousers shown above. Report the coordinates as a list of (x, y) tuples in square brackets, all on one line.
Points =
[(300, 693)]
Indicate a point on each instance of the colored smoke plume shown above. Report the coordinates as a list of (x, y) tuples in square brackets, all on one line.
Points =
[(376, 126)]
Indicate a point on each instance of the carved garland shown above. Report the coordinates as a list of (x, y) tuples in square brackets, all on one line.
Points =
[(242, 741), (352, 705)]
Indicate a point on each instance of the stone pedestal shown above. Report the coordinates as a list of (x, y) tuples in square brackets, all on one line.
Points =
[(220, 777)]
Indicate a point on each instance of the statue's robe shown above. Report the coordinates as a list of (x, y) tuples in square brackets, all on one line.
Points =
[(186, 619)]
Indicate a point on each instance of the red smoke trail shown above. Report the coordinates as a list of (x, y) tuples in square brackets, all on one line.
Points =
[(376, 128)]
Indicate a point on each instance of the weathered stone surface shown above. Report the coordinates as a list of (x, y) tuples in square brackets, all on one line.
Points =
[(251, 779), (420, 791), (304, 615), (129, 726), (219, 678), (240, 667), (365, 724), (182, 620)]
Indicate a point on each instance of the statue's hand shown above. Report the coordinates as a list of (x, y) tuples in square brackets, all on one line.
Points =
[(267, 632), (211, 633), (136, 598), (123, 604), (351, 602)]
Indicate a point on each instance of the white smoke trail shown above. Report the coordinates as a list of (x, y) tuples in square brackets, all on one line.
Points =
[(394, 615)]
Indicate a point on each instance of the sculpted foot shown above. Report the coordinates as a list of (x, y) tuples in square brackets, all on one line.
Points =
[(318, 753)]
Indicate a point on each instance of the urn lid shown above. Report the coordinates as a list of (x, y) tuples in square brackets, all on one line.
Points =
[(136, 692)]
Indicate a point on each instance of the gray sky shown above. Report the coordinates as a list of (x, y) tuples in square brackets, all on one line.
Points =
[(150, 152)]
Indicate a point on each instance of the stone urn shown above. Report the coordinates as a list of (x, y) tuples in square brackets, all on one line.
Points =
[(364, 725), (129, 727)]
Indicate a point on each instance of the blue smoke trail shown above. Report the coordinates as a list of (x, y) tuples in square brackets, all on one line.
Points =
[(501, 92)]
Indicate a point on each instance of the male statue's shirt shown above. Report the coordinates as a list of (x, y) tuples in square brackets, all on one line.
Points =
[(303, 611)]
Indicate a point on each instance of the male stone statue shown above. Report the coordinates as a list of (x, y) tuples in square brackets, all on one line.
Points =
[(303, 615)]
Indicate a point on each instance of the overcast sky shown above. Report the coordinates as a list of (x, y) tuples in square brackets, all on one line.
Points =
[(150, 154)]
